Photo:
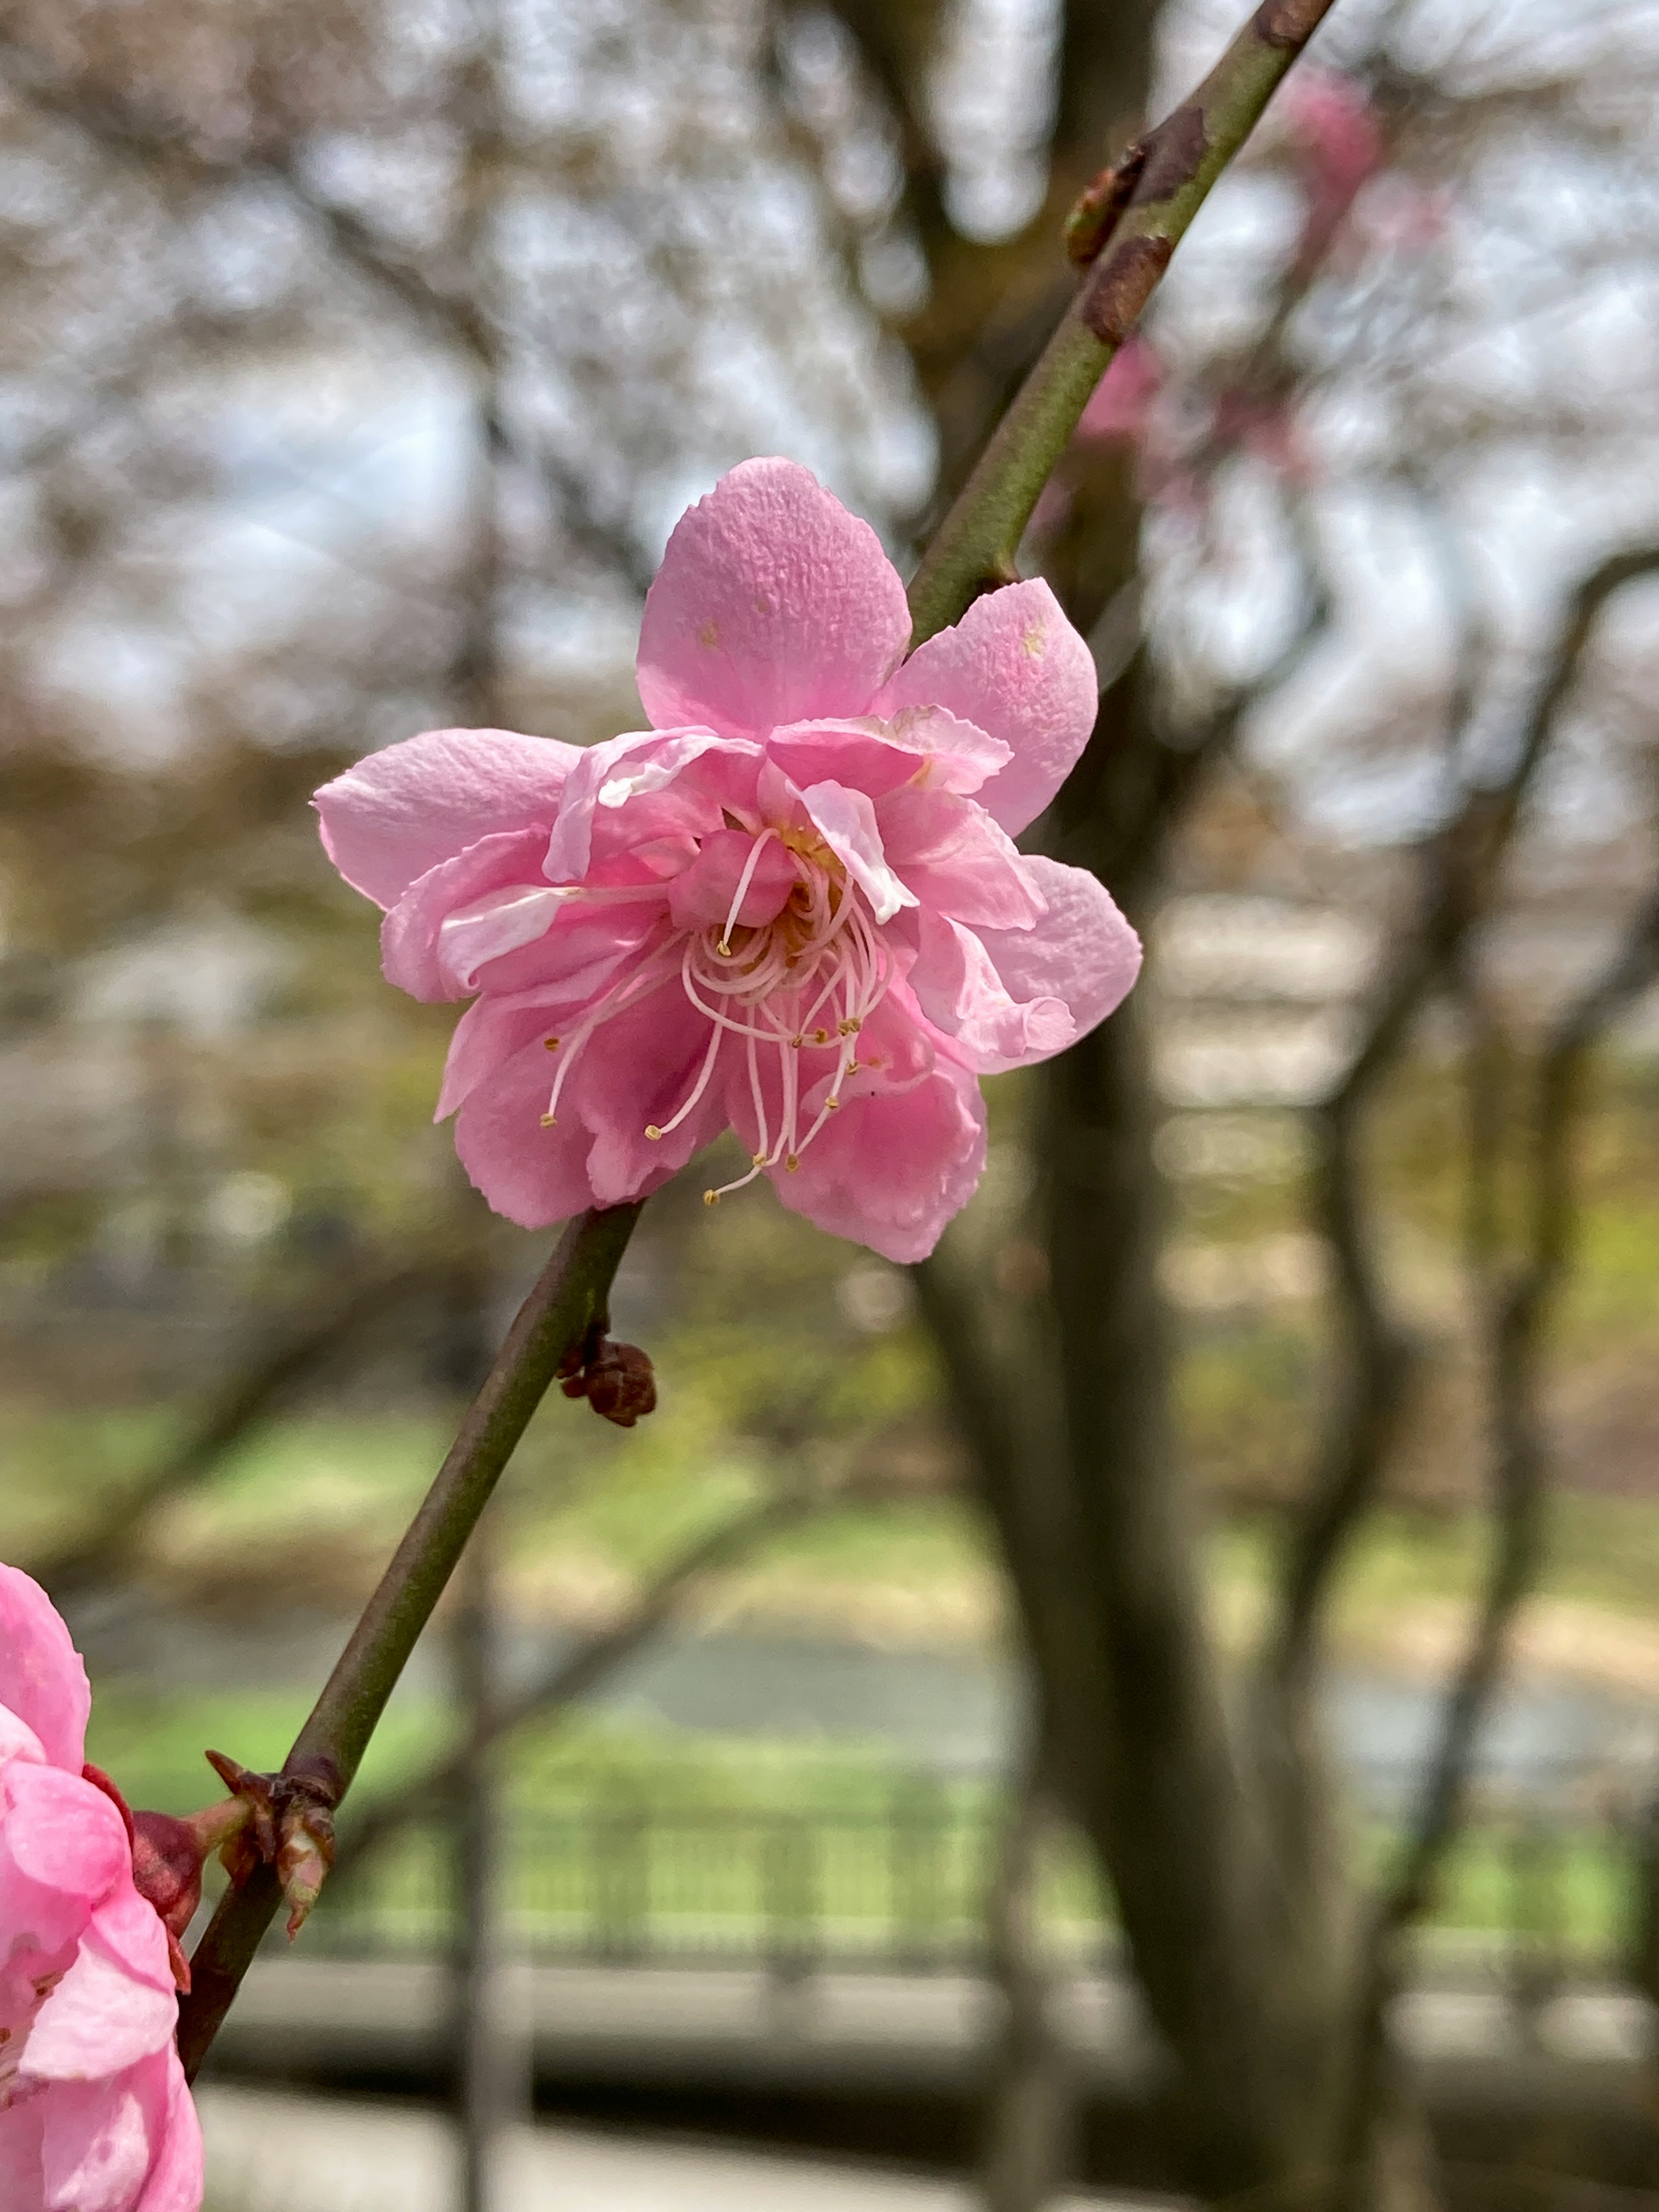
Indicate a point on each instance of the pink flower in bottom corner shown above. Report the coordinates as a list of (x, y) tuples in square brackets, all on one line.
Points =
[(794, 907), (94, 2115)]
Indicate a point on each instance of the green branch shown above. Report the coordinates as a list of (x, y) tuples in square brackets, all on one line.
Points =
[(1173, 168), (569, 1298)]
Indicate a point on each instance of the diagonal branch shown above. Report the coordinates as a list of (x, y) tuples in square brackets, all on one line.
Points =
[(1515, 1309), (1462, 862), (569, 1297), (574, 1675), (1174, 166)]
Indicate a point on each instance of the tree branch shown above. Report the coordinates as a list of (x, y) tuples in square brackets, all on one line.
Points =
[(1176, 165), (1462, 861), (568, 1299), (575, 1674)]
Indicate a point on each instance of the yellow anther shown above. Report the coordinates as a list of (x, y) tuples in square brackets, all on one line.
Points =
[(849, 1027), (551, 1044), (757, 1159), (830, 1105), (725, 948), (796, 1043), (820, 1037), (791, 1163), (711, 1198), (550, 1122), (653, 1131)]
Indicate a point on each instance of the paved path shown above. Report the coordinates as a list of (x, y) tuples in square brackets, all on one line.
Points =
[(687, 2027), (268, 2152)]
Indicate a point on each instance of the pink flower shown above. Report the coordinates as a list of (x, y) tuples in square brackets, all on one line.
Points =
[(94, 2115), (1334, 134), (794, 907), (1121, 408)]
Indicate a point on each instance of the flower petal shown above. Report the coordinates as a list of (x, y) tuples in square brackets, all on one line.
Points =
[(957, 860), (1082, 951), (904, 1154), (176, 2180), (42, 1680), (104, 2140), (115, 2005), (421, 954), (623, 794), (401, 811), (1015, 667), (847, 822), (773, 605), (637, 1069), (924, 746), (960, 992)]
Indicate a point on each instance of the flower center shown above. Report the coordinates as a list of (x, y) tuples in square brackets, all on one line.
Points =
[(807, 981)]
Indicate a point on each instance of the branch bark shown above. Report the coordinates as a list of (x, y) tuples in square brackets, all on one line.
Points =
[(1461, 863), (567, 1300), (1516, 1307)]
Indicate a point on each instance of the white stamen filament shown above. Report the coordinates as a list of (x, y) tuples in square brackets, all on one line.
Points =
[(806, 981)]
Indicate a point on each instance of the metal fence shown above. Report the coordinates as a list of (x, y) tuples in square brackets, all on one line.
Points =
[(1542, 1895)]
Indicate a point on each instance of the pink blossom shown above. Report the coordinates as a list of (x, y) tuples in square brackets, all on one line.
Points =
[(1120, 410), (94, 2115), (792, 906), (1333, 132)]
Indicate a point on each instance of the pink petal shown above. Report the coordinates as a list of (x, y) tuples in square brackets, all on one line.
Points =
[(1014, 666), (960, 992), (638, 1068), (920, 746), (413, 949), (702, 895), (622, 793), (103, 2142), (106, 2012), (847, 822), (22, 2185), (773, 605), (1082, 951), (176, 2180), (955, 859), (42, 1680), (587, 956), (903, 1153), (63, 1847), (401, 811)]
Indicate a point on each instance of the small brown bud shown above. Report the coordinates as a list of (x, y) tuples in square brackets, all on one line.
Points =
[(622, 1385), (1095, 215)]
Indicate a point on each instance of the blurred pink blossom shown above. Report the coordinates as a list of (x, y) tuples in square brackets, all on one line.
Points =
[(94, 2115), (792, 906), (1120, 411), (1337, 144)]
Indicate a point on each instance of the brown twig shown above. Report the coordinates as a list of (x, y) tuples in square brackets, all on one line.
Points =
[(1516, 1304), (567, 1298), (580, 1670), (1462, 862)]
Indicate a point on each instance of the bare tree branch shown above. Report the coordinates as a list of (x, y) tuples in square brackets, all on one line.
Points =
[(446, 307), (239, 1406), (572, 1676), (1461, 862), (1515, 1308)]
